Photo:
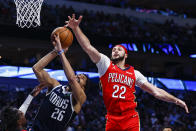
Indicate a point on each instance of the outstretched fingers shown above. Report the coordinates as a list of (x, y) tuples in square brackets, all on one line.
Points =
[(73, 22), (186, 108), (66, 24), (183, 105), (69, 17), (73, 16), (80, 19)]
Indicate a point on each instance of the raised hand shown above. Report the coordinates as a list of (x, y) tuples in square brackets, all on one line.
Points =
[(57, 44), (73, 22), (38, 88), (182, 104)]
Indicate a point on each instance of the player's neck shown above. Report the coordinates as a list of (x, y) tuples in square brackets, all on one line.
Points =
[(121, 64)]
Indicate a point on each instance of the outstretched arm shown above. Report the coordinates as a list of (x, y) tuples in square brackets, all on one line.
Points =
[(163, 95), (77, 91), (41, 74), (82, 39), (30, 97)]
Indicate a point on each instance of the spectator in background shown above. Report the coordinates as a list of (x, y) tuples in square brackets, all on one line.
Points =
[(13, 119), (89, 114)]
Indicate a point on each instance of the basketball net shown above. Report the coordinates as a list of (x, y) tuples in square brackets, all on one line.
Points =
[(28, 13)]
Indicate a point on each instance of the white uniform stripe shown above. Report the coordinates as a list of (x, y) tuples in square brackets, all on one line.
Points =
[(104, 63)]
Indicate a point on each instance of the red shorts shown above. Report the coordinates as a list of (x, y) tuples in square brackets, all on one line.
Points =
[(123, 122)]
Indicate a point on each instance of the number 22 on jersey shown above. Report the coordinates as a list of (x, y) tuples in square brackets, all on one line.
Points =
[(117, 89)]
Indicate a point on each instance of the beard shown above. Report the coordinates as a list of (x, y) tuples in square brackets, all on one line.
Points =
[(116, 60)]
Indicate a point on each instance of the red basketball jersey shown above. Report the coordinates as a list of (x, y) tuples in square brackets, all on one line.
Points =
[(118, 88)]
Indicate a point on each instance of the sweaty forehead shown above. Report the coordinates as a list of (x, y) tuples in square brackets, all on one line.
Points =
[(117, 47)]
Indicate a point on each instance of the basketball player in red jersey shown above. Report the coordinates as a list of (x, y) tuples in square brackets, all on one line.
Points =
[(118, 83)]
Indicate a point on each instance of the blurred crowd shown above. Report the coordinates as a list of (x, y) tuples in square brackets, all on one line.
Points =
[(110, 26), (154, 114), (98, 27), (107, 25), (127, 4)]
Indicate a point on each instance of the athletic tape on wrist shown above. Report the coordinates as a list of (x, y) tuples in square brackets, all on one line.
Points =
[(60, 52)]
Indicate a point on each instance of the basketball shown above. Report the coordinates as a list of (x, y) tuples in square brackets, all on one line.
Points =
[(65, 35)]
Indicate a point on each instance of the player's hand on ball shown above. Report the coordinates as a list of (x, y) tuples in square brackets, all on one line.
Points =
[(182, 104), (56, 43), (73, 22), (65, 50)]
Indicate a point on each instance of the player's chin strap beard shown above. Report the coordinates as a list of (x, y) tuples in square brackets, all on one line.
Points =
[(117, 59)]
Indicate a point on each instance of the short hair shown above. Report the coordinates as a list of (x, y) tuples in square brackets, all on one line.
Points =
[(86, 85), (8, 119)]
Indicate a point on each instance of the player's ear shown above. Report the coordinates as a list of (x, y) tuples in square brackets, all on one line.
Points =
[(126, 56)]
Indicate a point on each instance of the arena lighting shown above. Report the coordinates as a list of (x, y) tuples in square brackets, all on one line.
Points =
[(193, 56), (134, 47), (174, 84), (15, 71), (164, 48), (178, 50), (178, 84), (27, 73), (8, 71)]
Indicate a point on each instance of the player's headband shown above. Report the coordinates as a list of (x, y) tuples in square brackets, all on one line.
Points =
[(123, 48)]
